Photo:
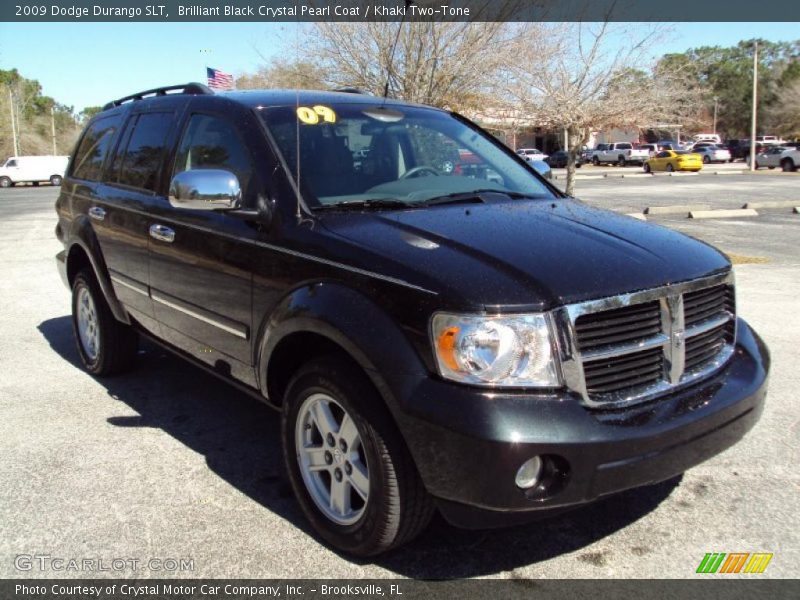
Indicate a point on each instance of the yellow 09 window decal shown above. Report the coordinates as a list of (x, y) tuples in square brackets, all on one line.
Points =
[(313, 115)]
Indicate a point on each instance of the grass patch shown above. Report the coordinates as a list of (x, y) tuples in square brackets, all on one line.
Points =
[(740, 259)]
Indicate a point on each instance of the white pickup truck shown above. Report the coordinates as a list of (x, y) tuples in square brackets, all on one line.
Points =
[(621, 153)]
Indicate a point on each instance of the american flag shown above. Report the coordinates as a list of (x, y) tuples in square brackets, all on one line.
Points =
[(217, 80)]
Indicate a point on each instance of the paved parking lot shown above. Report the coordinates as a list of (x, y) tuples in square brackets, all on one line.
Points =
[(167, 462)]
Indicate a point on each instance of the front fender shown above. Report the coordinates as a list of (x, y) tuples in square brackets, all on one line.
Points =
[(353, 321), (82, 235)]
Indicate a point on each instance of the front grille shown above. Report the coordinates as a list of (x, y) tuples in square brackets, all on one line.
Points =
[(617, 373), (627, 324), (703, 304), (704, 347), (638, 346)]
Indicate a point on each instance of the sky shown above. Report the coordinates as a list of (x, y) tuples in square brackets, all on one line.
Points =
[(88, 64)]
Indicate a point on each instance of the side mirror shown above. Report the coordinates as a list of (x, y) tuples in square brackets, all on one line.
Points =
[(205, 189)]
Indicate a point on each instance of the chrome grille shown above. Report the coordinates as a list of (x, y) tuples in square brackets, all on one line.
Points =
[(635, 347)]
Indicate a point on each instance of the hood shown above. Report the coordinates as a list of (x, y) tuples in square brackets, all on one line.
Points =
[(535, 254)]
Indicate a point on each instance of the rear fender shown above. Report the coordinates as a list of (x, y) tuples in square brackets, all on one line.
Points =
[(81, 235)]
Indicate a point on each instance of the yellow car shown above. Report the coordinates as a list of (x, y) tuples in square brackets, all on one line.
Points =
[(674, 160)]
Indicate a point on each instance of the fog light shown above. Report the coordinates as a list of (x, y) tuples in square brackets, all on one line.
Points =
[(529, 473)]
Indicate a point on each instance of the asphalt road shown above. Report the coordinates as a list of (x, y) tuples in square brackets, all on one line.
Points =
[(167, 462)]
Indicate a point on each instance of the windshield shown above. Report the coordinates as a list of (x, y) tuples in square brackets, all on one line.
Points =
[(363, 153)]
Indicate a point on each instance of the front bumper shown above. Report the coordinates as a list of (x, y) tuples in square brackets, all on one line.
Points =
[(468, 443)]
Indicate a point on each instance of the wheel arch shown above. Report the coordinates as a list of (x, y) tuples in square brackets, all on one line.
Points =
[(83, 250), (329, 318)]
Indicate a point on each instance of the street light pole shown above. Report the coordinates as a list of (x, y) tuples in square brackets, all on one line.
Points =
[(755, 109), (716, 100)]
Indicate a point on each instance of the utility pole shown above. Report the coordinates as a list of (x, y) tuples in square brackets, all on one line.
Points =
[(716, 102), (13, 123), (755, 109), (53, 127)]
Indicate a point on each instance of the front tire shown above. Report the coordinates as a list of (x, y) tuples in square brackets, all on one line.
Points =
[(595, 161), (706, 160), (350, 470), (646, 168), (105, 346), (5, 182), (787, 165), (670, 168)]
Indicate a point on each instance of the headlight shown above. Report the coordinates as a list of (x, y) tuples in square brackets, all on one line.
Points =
[(504, 351)]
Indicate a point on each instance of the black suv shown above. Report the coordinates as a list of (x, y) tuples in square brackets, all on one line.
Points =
[(475, 342)]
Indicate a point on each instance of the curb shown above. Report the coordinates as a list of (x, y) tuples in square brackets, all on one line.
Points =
[(717, 214), (676, 209), (771, 204), (639, 216)]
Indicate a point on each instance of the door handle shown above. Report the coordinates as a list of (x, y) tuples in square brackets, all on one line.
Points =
[(162, 233), (97, 213)]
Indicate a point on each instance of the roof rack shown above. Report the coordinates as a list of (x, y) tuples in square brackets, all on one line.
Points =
[(349, 90), (185, 88)]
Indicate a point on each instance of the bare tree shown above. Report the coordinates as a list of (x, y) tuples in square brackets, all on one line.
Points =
[(452, 65), (284, 73), (578, 78)]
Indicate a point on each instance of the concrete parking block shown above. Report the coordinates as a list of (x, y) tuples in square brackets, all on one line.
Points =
[(675, 209), (772, 204), (722, 214)]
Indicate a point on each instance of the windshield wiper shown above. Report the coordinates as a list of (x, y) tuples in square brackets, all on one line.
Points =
[(376, 203), (473, 197)]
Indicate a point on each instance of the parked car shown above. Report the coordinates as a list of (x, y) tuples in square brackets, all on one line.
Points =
[(711, 153), (674, 160), (621, 153), (769, 140), (740, 149), (707, 137), (790, 159), (769, 157), (33, 169), (669, 145), (652, 149), (433, 341), (558, 160), (531, 154)]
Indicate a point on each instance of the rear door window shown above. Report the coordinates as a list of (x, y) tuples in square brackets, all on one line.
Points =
[(93, 149), (624, 146), (138, 162)]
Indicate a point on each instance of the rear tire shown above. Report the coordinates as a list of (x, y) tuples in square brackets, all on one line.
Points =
[(55, 180), (595, 161), (787, 165), (670, 168), (706, 160), (105, 346), (329, 478), (621, 161), (646, 168)]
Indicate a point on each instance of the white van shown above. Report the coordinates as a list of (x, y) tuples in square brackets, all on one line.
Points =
[(33, 169), (707, 137)]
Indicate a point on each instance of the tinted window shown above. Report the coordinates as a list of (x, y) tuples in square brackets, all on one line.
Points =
[(145, 138), (662, 155), (92, 151), (413, 155), (11, 163), (212, 143), (624, 146)]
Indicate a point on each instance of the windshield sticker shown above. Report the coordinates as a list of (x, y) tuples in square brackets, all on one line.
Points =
[(316, 114)]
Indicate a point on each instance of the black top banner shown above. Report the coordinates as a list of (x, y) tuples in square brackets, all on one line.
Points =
[(396, 10)]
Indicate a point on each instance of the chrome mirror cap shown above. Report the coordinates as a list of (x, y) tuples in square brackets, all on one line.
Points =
[(205, 189)]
